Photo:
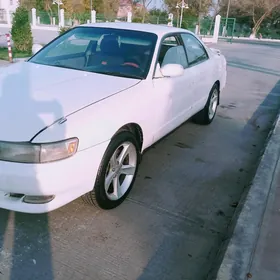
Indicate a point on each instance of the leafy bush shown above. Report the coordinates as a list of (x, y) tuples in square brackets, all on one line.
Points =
[(184, 25), (63, 30), (21, 31), (137, 19)]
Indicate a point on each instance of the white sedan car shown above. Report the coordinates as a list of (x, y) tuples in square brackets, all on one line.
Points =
[(76, 117)]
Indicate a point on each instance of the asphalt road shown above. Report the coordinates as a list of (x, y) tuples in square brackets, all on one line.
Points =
[(177, 215)]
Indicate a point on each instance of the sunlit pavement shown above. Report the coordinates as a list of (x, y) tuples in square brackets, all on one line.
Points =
[(4, 63), (177, 215)]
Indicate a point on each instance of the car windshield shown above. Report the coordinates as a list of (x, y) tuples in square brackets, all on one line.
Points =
[(117, 52)]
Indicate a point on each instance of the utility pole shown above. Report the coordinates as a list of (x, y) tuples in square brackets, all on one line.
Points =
[(90, 5)]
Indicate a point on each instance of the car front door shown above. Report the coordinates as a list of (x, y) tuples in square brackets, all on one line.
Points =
[(199, 62), (174, 94)]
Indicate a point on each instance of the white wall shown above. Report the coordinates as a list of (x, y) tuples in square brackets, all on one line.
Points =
[(9, 5)]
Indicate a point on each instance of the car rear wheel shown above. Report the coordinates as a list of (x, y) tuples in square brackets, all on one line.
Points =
[(117, 172), (207, 114)]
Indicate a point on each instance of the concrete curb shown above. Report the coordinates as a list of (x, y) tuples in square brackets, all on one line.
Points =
[(275, 43), (241, 247)]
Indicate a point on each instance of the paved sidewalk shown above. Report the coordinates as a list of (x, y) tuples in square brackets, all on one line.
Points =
[(266, 259), (253, 251), (4, 63)]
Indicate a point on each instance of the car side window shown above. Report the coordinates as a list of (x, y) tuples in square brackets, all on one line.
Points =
[(195, 51), (172, 51)]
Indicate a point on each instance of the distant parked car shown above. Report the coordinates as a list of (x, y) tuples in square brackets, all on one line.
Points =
[(76, 117)]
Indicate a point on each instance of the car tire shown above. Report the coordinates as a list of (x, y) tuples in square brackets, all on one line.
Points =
[(207, 114), (99, 196)]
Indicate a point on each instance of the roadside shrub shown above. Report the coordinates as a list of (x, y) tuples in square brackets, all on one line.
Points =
[(63, 30), (137, 19), (21, 31), (184, 25)]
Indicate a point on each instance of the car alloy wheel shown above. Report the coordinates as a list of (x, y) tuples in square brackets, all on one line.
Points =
[(120, 171), (207, 114), (213, 104), (117, 172)]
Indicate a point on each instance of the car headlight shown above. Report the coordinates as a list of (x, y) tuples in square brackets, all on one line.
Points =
[(25, 152)]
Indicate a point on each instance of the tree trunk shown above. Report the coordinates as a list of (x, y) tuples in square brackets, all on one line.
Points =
[(144, 16), (258, 23), (49, 11), (212, 23)]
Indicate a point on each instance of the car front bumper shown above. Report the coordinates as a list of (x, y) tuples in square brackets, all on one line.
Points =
[(66, 180)]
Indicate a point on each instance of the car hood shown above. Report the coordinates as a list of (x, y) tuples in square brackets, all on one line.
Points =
[(34, 96)]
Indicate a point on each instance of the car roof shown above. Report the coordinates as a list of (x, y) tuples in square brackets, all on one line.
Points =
[(158, 29)]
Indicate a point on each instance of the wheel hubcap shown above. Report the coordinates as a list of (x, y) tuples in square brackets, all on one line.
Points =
[(213, 104), (120, 171)]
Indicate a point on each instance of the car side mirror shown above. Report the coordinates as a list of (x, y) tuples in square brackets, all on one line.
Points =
[(36, 48), (172, 70)]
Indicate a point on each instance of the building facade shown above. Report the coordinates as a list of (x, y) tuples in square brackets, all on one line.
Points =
[(7, 8), (9, 5)]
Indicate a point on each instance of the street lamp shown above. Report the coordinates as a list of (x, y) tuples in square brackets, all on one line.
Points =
[(181, 6), (58, 3)]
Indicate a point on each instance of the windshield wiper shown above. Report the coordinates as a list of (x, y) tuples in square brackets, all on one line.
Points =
[(64, 66), (118, 74), (55, 65)]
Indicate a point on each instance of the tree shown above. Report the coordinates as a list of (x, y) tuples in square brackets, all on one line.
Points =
[(39, 5), (110, 8), (28, 4), (48, 8), (68, 7), (216, 8), (141, 8), (197, 10), (196, 7), (258, 10), (21, 30), (144, 8)]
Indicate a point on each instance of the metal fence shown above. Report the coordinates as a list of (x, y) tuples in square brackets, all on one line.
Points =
[(227, 27), (46, 18), (240, 29), (267, 31)]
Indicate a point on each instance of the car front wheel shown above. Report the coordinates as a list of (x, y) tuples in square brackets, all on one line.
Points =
[(117, 172)]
